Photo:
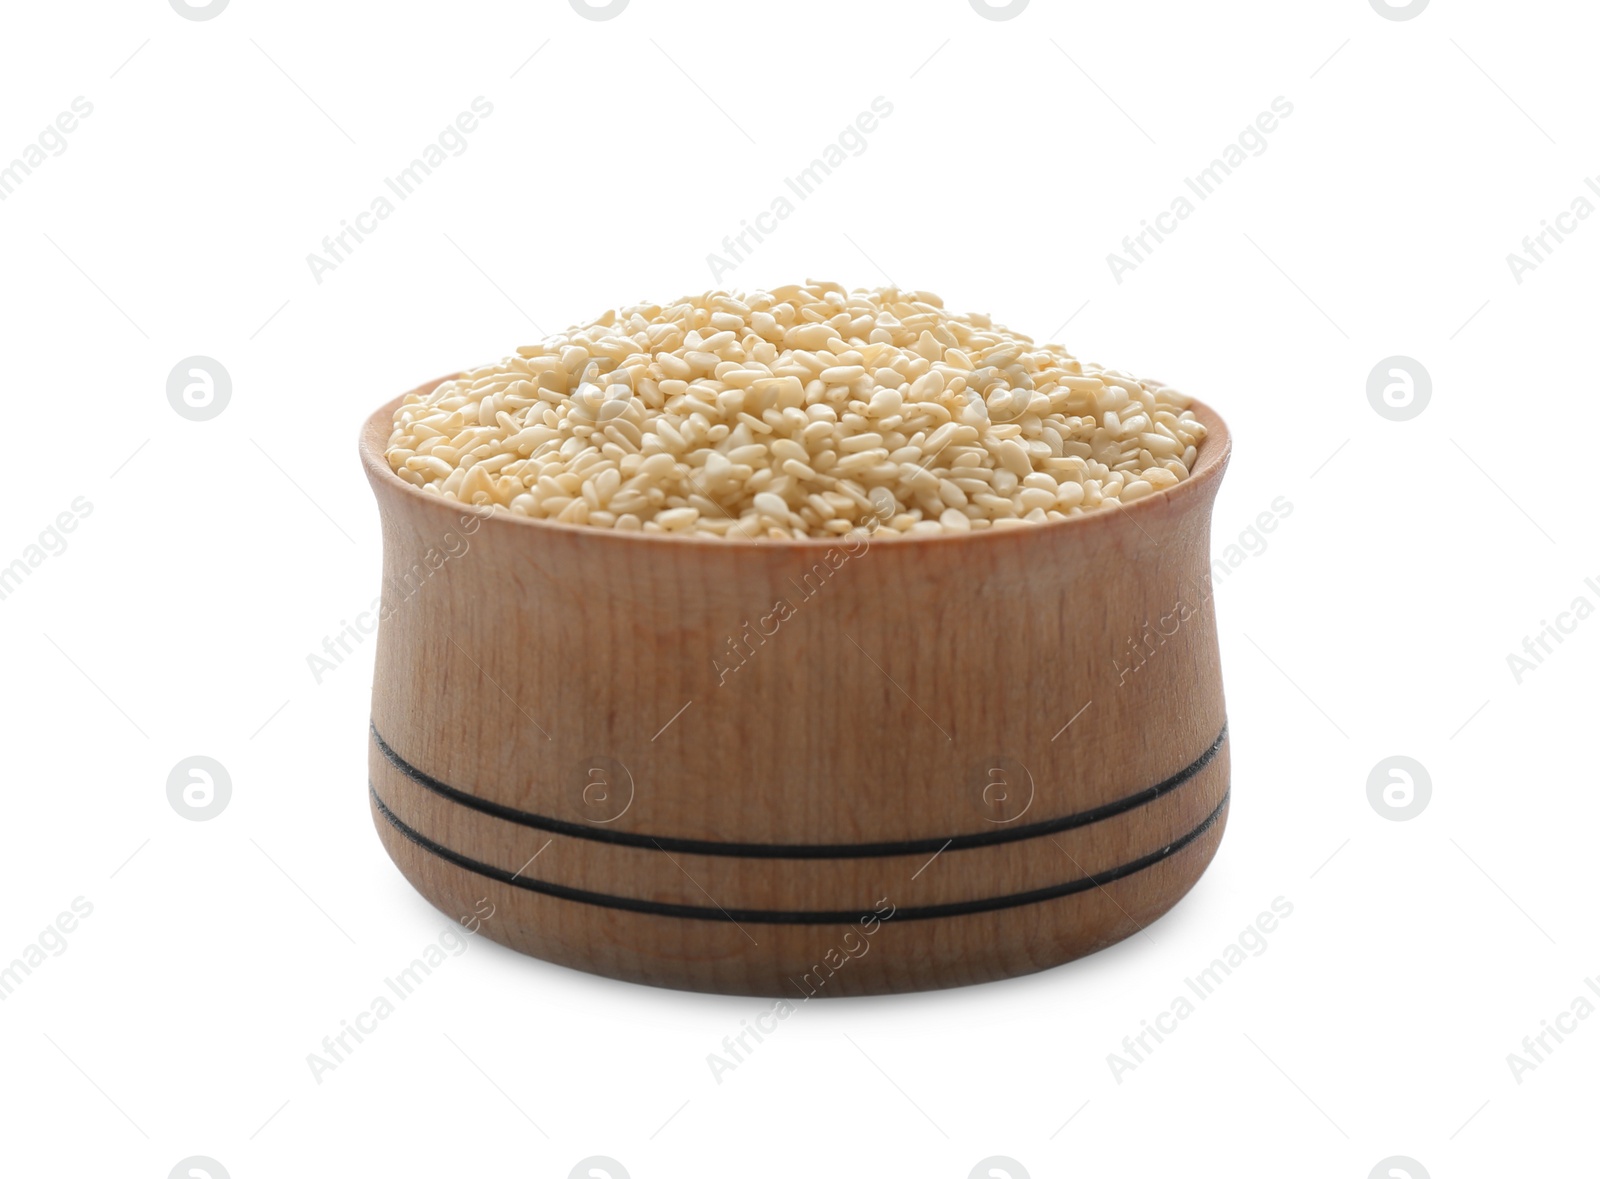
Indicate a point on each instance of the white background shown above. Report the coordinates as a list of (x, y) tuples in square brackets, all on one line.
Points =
[(1377, 620)]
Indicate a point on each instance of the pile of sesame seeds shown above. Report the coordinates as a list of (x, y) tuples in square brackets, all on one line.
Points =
[(803, 411)]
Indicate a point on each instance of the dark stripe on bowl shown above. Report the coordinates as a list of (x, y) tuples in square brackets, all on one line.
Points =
[(796, 916), (802, 851)]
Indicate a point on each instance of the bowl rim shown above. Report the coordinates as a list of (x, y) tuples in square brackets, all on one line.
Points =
[(1214, 452)]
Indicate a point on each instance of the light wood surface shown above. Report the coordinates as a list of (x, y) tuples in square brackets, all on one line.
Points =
[(532, 678)]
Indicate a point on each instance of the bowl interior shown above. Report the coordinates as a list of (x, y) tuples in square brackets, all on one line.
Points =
[(1214, 452)]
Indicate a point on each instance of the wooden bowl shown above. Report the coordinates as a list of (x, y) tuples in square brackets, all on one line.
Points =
[(819, 767)]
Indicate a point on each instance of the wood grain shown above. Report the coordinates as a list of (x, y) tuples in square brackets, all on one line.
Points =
[(874, 692)]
